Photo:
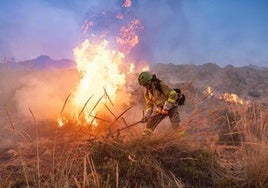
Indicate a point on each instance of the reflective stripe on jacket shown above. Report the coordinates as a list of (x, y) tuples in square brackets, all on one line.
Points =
[(157, 98)]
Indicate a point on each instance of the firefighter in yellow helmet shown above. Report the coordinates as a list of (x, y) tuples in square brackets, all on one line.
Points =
[(158, 94)]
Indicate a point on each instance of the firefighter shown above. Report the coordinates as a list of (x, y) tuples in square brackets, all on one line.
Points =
[(158, 94)]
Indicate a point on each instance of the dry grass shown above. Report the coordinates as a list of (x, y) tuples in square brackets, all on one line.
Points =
[(82, 156), (251, 121), (78, 158)]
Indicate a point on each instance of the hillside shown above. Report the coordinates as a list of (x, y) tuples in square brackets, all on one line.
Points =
[(248, 82), (40, 63)]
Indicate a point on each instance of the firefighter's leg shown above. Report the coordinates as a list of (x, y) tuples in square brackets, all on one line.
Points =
[(152, 124), (174, 118)]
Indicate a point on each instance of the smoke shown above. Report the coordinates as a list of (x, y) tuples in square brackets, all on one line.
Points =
[(44, 92), (164, 26), (154, 16)]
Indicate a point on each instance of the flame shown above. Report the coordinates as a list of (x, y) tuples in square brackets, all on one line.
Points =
[(145, 68), (131, 68), (232, 98), (119, 16), (60, 122), (209, 91), (85, 27), (99, 68), (103, 70), (128, 37), (228, 97), (127, 3)]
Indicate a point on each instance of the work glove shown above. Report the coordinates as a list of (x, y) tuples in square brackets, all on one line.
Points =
[(146, 116), (167, 106), (164, 112)]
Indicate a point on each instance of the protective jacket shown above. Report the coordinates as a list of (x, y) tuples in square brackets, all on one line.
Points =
[(158, 98)]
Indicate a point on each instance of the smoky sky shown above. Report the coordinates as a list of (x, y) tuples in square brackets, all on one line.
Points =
[(174, 31)]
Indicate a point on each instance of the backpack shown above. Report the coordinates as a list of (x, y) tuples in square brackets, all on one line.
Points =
[(181, 97)]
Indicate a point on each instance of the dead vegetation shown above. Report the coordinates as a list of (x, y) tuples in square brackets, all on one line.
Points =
[(75, 156), (79, 160)]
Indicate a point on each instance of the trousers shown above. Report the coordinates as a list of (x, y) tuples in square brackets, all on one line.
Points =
[(173, 115)]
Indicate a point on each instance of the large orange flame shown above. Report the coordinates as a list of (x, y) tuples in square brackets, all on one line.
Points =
[(101, 77)]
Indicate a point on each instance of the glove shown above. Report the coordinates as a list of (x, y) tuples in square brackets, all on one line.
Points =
[(167, 106), (164, 112)]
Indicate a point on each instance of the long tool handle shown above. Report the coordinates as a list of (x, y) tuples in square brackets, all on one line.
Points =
[(138, 122)]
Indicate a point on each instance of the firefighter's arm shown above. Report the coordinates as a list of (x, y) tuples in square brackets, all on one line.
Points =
[(149, 106)]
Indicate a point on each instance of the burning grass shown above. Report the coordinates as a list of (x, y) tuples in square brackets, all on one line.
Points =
[(222, 146)]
